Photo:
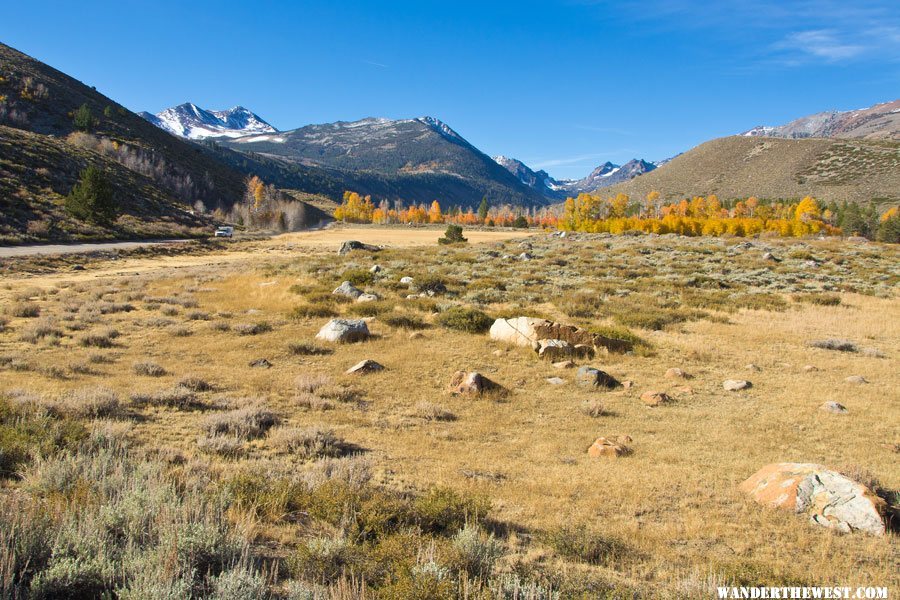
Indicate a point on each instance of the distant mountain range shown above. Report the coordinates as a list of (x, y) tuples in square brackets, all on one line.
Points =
[(879, 122), (605, 175), (190, 121)]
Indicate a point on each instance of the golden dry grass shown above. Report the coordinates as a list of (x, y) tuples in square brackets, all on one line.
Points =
[(673, 505)]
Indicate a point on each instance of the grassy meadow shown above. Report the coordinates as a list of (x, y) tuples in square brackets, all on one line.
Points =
[(170, 427)]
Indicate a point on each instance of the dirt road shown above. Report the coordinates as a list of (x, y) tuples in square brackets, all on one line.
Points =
[(14, 251)]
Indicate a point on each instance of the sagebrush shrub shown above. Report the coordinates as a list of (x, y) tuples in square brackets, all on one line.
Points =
[(470, 320)]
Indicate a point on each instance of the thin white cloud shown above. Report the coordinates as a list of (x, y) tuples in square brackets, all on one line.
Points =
[(576, 160), (375, 64), (824, 44)]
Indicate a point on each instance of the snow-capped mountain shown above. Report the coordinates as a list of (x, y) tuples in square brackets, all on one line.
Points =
[(538, 180), (190, 121), (881, 121), (604, 175)]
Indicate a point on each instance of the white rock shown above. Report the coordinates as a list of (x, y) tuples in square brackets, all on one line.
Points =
[(344, 331)]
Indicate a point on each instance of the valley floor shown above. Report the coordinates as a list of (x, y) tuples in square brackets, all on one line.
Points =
[(666, 521)]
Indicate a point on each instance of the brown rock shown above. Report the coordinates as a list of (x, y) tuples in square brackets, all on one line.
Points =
[(856, 380), (810, 368), (627, 384), (653, 398), (610, 447), (464, 382), (564, 364), (734, 385), (676, 373)]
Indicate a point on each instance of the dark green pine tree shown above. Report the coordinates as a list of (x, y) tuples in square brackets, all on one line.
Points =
[(83, 118), (483, 209), (91, 199)]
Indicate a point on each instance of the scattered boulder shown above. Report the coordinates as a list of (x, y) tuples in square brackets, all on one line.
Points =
[(589, 376), (770, 257), (528, 331), (375, 269), (347, 289), (366, 366), (525, 256), (556, 380), (753, 368), (627, 384), (734, 385), (858, 239), (367, 297), (810, 368), (471, 382), (564, 364), (676, 373), (871, 352), (416, 335), (856, 380), (407, 280), (610, 447), (827, 497), (351, 245), (835, 344), (344, 331), (834, 407), (260, 363), (653, 398)]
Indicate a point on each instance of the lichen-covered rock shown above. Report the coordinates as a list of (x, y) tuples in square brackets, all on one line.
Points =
[(834, 407), (344, 331), (351, 245), (827, 497), (676, 373)]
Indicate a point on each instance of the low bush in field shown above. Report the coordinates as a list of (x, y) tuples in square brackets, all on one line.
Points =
[(148, 369), (307, 349), (460, 318), (312, 311), (404, 322), (243, 423), (309, 443)]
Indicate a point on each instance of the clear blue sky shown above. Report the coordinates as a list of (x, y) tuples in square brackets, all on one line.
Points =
[(563, 85)]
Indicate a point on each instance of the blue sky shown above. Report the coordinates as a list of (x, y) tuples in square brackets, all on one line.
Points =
[(562, 85)]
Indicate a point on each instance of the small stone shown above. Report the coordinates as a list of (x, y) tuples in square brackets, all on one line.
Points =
[(556, 380), (366, 366), (685, 389), (347, 289), (771, 257), (472, 382), (416, 335), (260, 363), (856, 380), (734, 385), (627, 384), (375, 269), (564, 364), (810, 368), (367, 297), (611, 447), (653, 398), (676, 373), (596, 378), (753, 368), (406, 280), (498, 352), (834, 407)]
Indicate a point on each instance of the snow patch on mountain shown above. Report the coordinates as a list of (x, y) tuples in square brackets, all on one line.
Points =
[(192, 122)]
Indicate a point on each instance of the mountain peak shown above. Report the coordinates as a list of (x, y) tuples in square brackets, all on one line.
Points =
[(193, 122)]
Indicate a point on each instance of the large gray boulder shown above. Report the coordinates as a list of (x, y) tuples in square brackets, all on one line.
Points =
[(529, 331), (828, 498), (344, 331)]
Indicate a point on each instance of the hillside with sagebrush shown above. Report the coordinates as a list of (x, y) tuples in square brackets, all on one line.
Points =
[(52, 127), (831, 170)]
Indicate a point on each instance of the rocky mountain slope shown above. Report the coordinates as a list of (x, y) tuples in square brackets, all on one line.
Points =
[(416, 160), (605, 175), (190, 121), (857, 170), (879, 122)]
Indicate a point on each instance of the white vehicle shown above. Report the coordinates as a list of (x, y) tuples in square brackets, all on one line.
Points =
[(224, 231)]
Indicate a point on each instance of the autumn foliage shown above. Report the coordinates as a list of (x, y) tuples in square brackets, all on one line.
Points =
[(698, 216)]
